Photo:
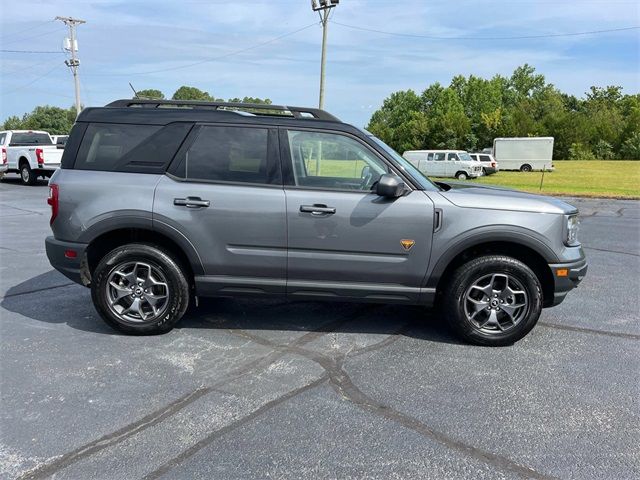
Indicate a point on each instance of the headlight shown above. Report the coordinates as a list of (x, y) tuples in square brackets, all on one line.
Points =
[(571, 231)]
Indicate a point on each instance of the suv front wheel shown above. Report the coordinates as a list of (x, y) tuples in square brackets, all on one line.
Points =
[(140, 289), (493, 300)]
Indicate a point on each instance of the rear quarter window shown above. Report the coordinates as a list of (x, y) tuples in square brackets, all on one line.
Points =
[(130, 148)]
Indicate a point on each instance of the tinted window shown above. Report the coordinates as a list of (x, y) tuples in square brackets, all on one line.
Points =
[(104, 145), (30, 138), (228, 154), (61, 140), (452, 156), (438, 156), (130, 148), (3, 137), (332, 161), (485, 158)]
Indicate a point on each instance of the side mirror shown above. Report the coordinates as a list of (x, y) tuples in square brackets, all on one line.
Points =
[(390, 186)]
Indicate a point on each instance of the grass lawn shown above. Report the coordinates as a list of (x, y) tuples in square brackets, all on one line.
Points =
[(593, 178)]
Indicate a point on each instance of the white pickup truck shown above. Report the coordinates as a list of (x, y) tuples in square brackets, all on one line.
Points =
[(30, 153)]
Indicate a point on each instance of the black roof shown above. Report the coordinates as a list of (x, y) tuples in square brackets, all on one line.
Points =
[(163, 112)]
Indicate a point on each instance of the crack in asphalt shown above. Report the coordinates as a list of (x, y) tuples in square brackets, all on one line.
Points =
[(344, 386), (611, 251), (36, 290), (154, 418), (608, 333), (196, 447)]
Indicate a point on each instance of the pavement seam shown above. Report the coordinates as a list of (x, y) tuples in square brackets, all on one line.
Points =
[(571, 328), (611, 251), (344, 386), (157, 416), (36, 290), (196, 447)]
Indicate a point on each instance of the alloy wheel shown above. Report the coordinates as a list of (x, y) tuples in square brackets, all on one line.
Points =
[(137, 292), (495, 303)]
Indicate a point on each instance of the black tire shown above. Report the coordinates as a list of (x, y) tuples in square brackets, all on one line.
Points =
[(177, 288), (484, 171), (457, 308), (526, 168), (27, 175), (462, 175)]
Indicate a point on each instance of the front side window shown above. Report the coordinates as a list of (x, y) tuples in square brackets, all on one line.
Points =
[(464, 156), (451, 156), (228, 154), (333, 161)]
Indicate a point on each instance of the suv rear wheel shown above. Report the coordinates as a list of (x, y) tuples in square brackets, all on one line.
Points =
[(493, 300), (140, 289)]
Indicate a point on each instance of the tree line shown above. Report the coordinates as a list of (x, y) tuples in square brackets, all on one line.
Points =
[(468, 114), (471, 111), (58, 121)]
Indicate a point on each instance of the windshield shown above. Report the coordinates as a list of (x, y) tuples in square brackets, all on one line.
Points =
[(465, 157), (412, 171)]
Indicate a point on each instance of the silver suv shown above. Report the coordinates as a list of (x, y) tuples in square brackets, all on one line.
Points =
[(160, 202)]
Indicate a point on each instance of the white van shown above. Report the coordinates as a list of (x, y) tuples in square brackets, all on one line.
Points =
[(524, 153), (444, 163)]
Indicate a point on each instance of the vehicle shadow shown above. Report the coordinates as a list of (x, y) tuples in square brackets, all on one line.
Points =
[(51, 298), (14, 179)]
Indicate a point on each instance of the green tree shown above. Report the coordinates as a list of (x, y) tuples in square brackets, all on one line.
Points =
[(631, 147), (151, 93), (12, 123), (192, 93), (261, 101)]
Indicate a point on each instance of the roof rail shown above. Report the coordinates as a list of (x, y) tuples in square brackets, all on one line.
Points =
[(255, 108)]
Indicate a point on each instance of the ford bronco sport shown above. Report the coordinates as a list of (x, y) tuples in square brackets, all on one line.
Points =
[(159, 202)]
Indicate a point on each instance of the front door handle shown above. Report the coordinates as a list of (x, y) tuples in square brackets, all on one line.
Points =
[(191, 202), (317, 209)]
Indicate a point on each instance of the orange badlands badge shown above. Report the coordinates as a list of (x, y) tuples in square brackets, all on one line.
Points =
[(407, 244)]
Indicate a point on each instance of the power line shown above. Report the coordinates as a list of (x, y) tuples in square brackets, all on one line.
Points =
[(15, 40), (17, 32), (30, 51), (32, 81), (520, 37), (212, 59)]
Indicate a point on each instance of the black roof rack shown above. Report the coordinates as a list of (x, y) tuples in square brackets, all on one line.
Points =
[(254, 108)]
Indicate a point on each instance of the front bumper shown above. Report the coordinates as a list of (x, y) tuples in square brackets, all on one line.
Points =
[(567, 276), (61, 258)]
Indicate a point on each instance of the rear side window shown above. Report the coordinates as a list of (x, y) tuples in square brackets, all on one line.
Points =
[(228, 154), (130, 148), (30, 138), (485, 158)]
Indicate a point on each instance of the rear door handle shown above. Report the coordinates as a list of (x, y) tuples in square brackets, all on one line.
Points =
[(317, 209), (191, 202)]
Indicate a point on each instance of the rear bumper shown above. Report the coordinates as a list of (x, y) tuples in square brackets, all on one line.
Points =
[(490, 170), (576, 271), (60, 257)]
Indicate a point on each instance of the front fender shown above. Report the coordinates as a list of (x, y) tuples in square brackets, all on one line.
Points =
[(481, 235)]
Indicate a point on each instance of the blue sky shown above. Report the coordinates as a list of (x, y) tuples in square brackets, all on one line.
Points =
[(123, 41)]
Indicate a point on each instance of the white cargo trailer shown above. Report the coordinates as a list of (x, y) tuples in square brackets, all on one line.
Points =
[(524, 153)]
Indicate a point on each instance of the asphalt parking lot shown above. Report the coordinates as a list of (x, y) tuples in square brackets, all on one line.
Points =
[(275, 389)]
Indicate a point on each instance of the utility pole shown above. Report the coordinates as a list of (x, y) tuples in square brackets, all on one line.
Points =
[(74, 63), (323, 7)]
